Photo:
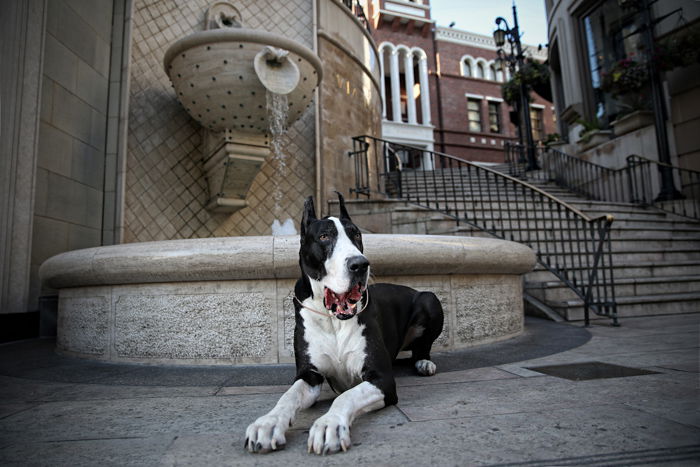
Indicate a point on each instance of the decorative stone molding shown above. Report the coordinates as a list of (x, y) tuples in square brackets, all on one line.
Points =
[(633, 121)]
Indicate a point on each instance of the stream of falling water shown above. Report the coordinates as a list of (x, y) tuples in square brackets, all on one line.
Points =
[(277, 112)]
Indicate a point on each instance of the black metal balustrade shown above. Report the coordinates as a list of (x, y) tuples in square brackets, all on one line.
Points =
[(568, 243), (638, 182)]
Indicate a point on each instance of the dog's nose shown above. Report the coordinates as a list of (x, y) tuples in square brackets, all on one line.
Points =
[(357, 264)]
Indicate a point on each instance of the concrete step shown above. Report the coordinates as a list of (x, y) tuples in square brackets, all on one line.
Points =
[(642, 305), (557, 291), (622, 270)]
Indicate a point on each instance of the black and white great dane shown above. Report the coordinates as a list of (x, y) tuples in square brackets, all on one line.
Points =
[(347, 333)]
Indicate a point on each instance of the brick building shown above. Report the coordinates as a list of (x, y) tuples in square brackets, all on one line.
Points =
[(448, 85)]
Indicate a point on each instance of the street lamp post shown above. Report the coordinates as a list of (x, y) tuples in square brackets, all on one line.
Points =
[(516, 61), (668, 188)]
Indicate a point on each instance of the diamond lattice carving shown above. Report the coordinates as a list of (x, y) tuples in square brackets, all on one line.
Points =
[(165, 190)]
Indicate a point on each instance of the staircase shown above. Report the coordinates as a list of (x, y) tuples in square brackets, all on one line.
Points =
[(655, 254)]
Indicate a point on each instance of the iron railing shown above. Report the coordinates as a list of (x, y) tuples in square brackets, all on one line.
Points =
[(568, 243), (638, 182)]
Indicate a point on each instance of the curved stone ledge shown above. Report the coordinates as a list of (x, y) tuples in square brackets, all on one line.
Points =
[(239, 258), (229, 300)]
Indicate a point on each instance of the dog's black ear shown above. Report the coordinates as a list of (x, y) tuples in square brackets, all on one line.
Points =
[(343, 211), (309, 214)]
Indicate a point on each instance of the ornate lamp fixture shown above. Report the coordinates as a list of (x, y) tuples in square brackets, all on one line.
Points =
[(515, 61)]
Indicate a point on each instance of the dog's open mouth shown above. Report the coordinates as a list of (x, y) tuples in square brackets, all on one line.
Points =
[(343, 306)]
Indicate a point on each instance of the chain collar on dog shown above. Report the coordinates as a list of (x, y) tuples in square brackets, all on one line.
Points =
[(366, 302)]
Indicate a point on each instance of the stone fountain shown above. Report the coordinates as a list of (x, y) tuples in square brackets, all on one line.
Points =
[(222, 77), (228, 300)]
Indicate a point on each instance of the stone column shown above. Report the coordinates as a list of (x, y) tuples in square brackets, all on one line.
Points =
[(424, 90), (395, 87), (410, 98), (381, 82), (22, 37)]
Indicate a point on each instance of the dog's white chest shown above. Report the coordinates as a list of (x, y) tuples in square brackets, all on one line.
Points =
[(337, 349)]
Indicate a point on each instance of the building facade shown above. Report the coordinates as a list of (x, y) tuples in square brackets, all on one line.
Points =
[(97, 150), (442, 87), (590, 41)]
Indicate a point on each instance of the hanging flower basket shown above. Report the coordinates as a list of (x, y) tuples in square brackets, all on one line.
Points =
[(535, 75)]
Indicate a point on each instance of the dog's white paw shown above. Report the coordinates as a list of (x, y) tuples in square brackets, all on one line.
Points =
[(425, 368), (267, 434), (329, 434)]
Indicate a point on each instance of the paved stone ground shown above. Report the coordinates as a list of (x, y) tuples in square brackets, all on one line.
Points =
[(485, 407)]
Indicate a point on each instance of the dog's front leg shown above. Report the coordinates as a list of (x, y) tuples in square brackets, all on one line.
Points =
[(331, 432), (267, 432)]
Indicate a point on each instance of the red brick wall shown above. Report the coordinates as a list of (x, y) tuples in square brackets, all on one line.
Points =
[(449, 103)]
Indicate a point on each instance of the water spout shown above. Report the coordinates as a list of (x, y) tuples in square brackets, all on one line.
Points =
[(275, 71)]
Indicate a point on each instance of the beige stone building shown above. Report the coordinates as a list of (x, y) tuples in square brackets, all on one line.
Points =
[(586, 39), (97, 149)]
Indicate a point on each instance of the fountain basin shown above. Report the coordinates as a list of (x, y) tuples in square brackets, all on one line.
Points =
[(229, 300), (215, 78)]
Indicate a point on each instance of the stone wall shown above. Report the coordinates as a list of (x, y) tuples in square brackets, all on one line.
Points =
[(182, 301), (165, 190), (68, 209), (22, 37), (350, 97)]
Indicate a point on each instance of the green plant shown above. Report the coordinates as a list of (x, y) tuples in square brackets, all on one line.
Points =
[(590, 128), (679, 49), (534, 75), (626, 76), (551, 138)]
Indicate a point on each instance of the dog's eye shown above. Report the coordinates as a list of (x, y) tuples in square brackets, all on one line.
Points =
[(323, 237), (357, 235)]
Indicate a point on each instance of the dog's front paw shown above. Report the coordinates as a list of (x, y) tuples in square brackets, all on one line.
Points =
[(425, 368), (329, 434), (267, 434)]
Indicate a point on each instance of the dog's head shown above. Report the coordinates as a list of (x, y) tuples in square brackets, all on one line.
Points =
[(331, 257)]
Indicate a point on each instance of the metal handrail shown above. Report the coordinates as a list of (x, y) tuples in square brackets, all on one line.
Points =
[(568, 243), (634, 183), (645, 188), (582, 177)]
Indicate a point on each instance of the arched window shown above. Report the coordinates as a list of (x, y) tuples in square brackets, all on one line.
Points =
[(492, 73), (466, 68), (480, 70), (499, 75)]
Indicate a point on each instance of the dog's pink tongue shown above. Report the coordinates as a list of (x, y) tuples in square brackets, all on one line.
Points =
[(342, 303)]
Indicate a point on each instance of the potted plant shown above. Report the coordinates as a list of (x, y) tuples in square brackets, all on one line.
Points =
[(591, 134), (628, 81)]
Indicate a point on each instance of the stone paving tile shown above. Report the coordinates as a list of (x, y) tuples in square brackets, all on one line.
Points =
[(246, 390), (94, 392), (483, 440), (471, 416), (477, 374), (686, 412), (19, 389), (7, 410), (100, 419), (537, 394), (76, 453), (167, 376)]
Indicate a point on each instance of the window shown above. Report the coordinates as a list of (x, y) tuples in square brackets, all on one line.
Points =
[(474, 114), (479, 70), (466, 68), (494, 117), (611, 34), (537, 124)]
